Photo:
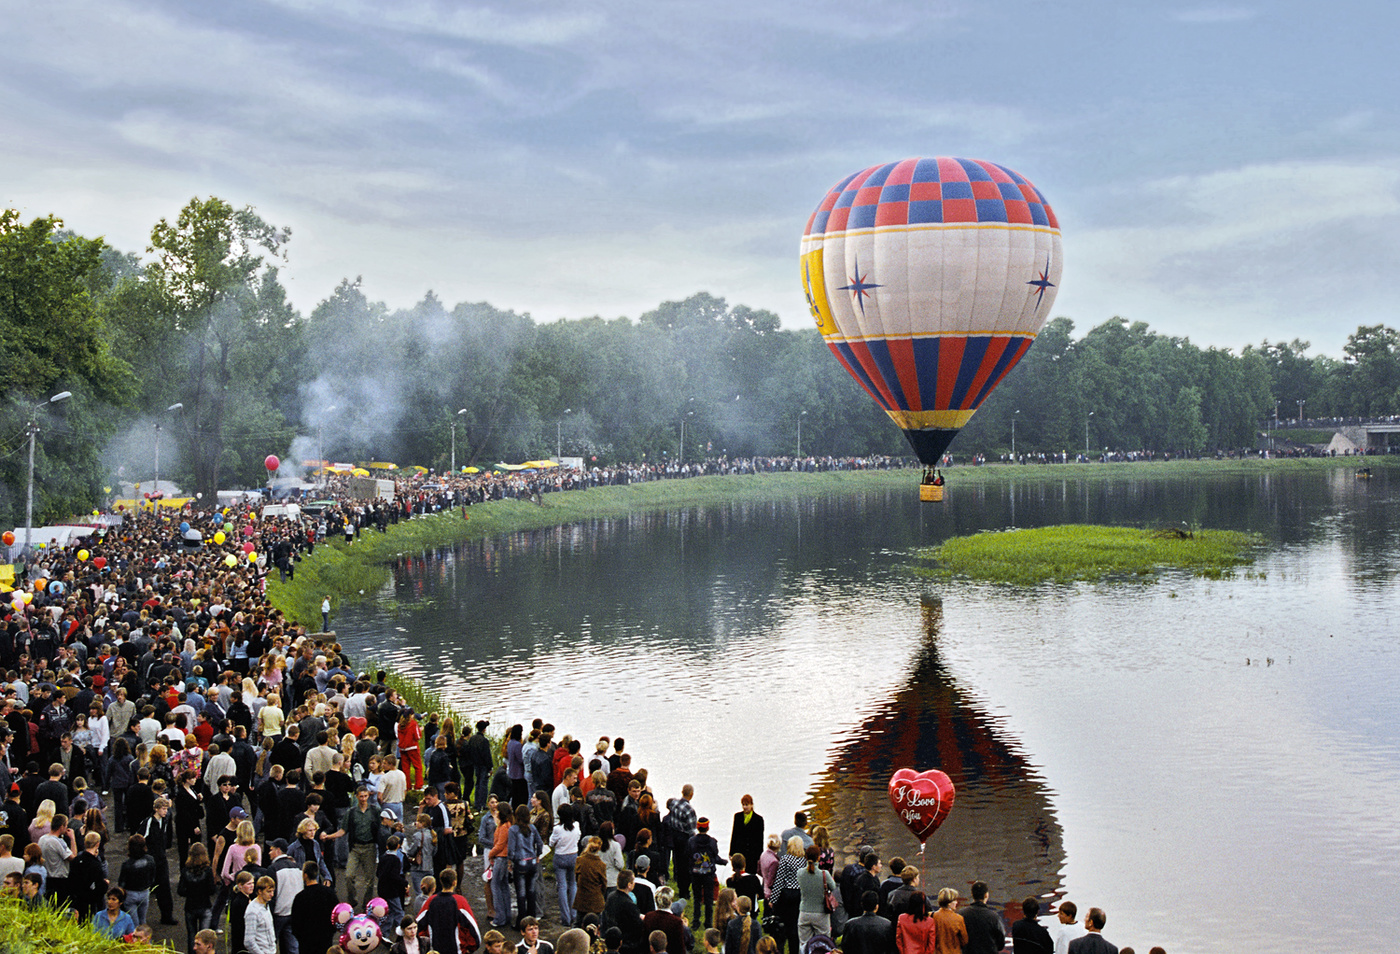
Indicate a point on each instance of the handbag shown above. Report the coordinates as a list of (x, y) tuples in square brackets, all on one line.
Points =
[(828, 897)]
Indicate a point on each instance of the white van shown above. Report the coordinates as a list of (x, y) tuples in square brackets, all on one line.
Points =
[(287, 511)]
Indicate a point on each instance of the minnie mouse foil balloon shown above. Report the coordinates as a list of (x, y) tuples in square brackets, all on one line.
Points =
[(360, 933)]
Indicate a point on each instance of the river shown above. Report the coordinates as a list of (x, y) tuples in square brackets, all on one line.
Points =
[(1202, 759)]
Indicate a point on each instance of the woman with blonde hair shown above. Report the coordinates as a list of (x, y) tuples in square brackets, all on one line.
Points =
[(743, 932), (725, 908), (591, 877), (236, 858), (270, 717), (786, 896), (950, 930), (43, 820)]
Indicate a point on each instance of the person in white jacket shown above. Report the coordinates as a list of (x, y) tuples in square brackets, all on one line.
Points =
[(259, 936)]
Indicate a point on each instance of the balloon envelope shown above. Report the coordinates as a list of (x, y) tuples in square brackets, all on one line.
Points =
[(929, 279), (271, 462), (8, 537)]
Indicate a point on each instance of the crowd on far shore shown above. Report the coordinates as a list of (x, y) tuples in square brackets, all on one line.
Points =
[(173, 745)]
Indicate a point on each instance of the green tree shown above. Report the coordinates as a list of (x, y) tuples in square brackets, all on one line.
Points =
[(55, 339), (229, 330)]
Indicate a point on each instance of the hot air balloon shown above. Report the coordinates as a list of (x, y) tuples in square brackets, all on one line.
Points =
[(929, 279)]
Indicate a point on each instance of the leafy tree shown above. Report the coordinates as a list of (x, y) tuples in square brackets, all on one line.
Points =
[(55, 339)]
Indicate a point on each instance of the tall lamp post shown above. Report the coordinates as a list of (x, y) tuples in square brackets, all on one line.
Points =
[(1013, 434), (174, 407), (1301, 402), (799, 434), (29, 498), (1086, 435), (681, 451), (454, 438), (559, 434)]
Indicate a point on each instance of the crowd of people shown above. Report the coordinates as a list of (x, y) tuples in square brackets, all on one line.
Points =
[(245, 775)]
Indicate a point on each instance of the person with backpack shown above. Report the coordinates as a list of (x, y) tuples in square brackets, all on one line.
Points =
[(702, 855)]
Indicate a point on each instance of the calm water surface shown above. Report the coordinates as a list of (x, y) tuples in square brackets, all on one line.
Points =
[(1202, 759)]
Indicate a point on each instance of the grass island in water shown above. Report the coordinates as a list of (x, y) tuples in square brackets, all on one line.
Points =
[(1068, 553)]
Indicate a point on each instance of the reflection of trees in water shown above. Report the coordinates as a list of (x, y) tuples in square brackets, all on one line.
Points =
[(1002, 828)]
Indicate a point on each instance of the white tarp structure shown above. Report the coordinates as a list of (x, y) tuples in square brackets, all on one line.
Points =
[(50, 536)]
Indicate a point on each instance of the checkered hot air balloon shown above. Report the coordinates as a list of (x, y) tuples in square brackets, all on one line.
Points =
[(929, 279)]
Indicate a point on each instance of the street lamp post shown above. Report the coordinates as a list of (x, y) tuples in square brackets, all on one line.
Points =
[(454, 438), (29, 498), (1301, 402), (559, 434), (680, 456), (174, 407), (1086, 434), (1013, 434), (799, 434)]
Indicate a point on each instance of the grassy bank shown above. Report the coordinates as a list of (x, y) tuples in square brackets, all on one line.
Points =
[(349, 573), (46, 929), (1065, 554)]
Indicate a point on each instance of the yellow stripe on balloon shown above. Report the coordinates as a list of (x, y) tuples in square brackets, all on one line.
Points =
[(837, 338), (934, 420), (814, 281)]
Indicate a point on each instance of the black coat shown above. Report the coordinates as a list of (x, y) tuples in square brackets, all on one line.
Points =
[(311, 917), (868, 934)]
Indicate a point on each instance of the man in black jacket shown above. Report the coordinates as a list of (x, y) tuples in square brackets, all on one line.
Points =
[(985, 934), (311, 912), (621, 912), (1029, 936), (476, 765), (869, 933)]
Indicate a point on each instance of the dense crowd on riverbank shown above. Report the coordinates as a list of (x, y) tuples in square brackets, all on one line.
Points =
[(197, 742)]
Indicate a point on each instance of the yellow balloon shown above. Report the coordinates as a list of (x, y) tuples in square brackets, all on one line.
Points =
[(28, 598), (219, 537), (230, 560), (253, 557), (82, 555), (96, 513)]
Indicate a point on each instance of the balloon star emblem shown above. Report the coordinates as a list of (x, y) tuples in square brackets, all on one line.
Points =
[(859, 287), (921, 799), (1041, 282)]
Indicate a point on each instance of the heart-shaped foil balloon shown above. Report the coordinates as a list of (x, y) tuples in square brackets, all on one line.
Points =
[(922, 800)]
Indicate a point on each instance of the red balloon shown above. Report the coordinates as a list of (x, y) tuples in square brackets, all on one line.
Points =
[(9, 538), (356, 724), (922, 800), (100, 562), (248, 547), (272, 463)]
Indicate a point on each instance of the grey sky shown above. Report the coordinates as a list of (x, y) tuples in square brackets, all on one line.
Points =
[(1226, 172)]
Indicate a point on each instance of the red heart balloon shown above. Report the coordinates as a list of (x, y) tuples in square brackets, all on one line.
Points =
[(356, 724), (922, 800)]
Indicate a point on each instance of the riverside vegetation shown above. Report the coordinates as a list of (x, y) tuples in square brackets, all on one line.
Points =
[(350, 573), (1066, 554)]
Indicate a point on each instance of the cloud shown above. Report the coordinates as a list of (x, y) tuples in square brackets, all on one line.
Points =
[(1269, 250)]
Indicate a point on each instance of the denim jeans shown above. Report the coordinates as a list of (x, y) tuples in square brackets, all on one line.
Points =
[(567, 884), (196, 921), (136, 905), (500, 891), (525, 874)]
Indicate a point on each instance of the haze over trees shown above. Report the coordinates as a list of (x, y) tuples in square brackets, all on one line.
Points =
[(201, 320)]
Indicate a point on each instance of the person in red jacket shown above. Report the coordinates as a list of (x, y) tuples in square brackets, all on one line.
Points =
[(410, 752)]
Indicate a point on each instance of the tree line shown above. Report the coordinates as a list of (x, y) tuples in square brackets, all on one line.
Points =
[(197, 338)]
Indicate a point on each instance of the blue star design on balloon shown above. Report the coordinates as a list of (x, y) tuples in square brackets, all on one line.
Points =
[(860, 287), (1042, 282)]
